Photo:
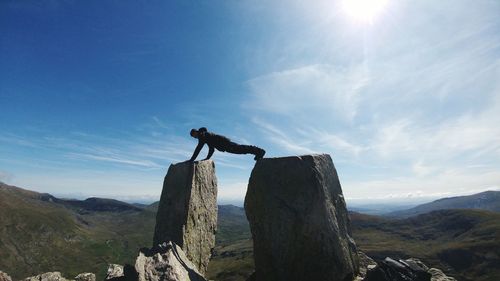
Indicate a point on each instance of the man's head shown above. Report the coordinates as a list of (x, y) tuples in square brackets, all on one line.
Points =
[(196, 133)]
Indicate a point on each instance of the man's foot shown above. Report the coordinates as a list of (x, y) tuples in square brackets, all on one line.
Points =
[(260, 153)]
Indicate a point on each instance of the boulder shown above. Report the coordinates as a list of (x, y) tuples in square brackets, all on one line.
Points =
[(4, 276), (166, 263), (438, 275), (48, 276), (114, 271), (299, 221), (187, 212), (85, 277), (392, 270)]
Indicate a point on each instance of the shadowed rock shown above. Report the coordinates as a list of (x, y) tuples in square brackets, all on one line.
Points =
[(299, 221), (187, 213), (404, 270)]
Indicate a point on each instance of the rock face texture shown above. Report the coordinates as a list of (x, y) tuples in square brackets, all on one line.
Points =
[(168, 263), (187, 213), (48, 276), (114, 271), (299, 221), (404, 270), (4, 276)]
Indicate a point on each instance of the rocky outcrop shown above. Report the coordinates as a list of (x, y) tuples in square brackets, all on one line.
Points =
[(299, 221), (187, 213), (404, 270), (114, 271), (85, 277), (166, 263), (4, 276), (48, 276), (57, 276), (438, 275)]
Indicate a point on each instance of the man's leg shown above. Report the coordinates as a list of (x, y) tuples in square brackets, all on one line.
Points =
[(235, 148)]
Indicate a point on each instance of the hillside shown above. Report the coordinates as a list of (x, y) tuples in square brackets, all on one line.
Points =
[(488, 200), (464, 243), (40, 233)]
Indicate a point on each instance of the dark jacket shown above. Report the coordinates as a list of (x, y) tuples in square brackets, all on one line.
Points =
[(212, 140)]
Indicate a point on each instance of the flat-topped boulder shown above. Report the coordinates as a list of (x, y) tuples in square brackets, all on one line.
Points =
[(299, 221), (187, 213)]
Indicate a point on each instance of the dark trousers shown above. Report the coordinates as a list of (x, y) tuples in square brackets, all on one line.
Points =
[(235, 148)]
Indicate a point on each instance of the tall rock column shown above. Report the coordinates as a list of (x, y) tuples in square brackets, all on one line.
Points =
[(187, 214), (299, 221)]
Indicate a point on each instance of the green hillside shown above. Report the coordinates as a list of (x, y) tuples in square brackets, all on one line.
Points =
[(40, 233), (39, 236)]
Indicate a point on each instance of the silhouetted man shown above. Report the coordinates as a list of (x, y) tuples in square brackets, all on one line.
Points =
[(222, 144)]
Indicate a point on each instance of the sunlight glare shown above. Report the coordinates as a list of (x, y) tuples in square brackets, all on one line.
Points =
[(364, 10)]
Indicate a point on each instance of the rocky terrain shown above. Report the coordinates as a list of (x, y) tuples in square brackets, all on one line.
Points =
[(298, 226)]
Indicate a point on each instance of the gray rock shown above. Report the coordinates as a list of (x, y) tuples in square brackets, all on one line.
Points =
[(187, 213), (365, 263), (438, 275), (169, 263), (299, 221), (4, 276), (48, 276), (114, 271), (85, 277)]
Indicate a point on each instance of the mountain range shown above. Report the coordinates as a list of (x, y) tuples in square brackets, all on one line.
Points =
[(39, 233), (488, 200)]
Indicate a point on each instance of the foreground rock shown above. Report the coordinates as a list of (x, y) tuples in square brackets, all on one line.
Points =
[(166, 263), (187, 213), (299, 221), (404, 270), (4, 276), (114, 271), (56, 276)]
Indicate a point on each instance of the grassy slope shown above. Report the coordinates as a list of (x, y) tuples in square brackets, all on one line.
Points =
[(464, 243), (38, 236)]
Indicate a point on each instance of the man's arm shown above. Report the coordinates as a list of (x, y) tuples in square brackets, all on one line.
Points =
[(197, 150), (210, 152)]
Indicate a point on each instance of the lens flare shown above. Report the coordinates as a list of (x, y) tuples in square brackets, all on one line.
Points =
[(364, 10)]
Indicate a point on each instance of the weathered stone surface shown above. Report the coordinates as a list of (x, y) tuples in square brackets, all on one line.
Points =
[(167, 263), (114, 271), (85, 277), (402, 270), (299, 221), (365, 263), (48, 276), (187, 213), (438, 275), (4, 276)]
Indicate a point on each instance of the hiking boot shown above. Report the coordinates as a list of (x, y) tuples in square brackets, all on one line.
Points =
[(260, 153)]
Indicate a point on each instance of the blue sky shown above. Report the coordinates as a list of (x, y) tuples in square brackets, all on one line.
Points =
[(97, 97)]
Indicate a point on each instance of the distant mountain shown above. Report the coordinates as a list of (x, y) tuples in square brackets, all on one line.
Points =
[(488, 200)]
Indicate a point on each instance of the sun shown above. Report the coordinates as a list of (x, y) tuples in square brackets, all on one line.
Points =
[(364, 10)]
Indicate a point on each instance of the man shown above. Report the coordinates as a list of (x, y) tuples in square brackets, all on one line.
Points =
[(222, 144)]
